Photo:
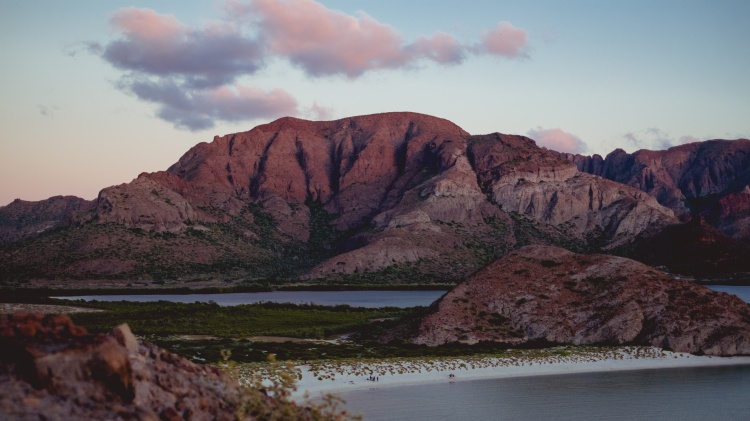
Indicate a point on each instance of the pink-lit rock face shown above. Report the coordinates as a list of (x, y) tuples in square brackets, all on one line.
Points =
[(542, 294), (396, 189), (702, 178), (50, 368), (23, 219)]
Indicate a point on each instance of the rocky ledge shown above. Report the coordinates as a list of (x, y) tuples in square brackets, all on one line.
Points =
[(51, 369), (548, 295)]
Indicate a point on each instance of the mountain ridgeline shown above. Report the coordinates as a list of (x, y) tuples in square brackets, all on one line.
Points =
[(393, 197)]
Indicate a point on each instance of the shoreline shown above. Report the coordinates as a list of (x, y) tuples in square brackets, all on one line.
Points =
[(318, 380)]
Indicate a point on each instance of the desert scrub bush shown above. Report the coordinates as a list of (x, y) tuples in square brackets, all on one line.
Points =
[(267, 394)]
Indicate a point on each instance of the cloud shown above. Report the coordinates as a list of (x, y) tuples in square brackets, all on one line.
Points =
[(504, 40), (442, 48), (192, 73), (200, 109), (319, 112), (326, 42), (657, 139), (558, 140), (160, 45), (47, 110)]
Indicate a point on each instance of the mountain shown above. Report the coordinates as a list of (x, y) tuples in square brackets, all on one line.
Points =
[(709, 179), (547, 295), (708, 182), (24, 219), (393, 196)]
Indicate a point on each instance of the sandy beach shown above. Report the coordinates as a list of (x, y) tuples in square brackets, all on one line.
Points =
[(322, 378)]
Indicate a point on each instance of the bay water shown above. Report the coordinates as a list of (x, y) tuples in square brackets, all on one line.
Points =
[(684, 394), (369, 299), (679, 394)]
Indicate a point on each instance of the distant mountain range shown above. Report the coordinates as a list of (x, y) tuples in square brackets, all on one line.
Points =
[(394, 197)]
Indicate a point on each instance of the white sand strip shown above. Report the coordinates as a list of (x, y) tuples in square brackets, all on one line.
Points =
[(320, 379)]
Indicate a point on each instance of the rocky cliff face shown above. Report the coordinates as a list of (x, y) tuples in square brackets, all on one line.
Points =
[(541, 294), (53, 369), (520, 177), (347, 197), (21, 219), (703, 178)]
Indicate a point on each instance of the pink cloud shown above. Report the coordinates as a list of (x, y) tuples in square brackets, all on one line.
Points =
[(191, 72), (327, 42), (558, 140), (504, 40), (201, 109), (441, 48), (147, 24), (160, 45), (319, 112), (655, 138), (323, 41)]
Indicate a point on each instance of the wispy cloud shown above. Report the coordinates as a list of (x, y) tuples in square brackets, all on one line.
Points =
[(504, 40), (192, 73), (198, 109), (318, 112), (558, 140), (657, 139), (47, 110)]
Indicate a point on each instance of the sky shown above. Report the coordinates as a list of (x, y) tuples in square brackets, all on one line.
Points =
[(92, 93)]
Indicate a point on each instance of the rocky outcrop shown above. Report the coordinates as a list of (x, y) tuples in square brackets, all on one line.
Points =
[(520, 177), (22, 219), (543, 295), (146, 203), (52, 369), (695, 179)]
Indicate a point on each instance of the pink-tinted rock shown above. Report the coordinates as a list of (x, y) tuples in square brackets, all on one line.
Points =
[(541, 294), (50, 369)]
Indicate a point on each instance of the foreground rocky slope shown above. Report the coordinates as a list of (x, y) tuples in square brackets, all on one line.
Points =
[(398, 196), (52, 369), (542, 295)]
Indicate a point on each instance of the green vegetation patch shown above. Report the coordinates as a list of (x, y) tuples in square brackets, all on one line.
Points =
[(164, 318)]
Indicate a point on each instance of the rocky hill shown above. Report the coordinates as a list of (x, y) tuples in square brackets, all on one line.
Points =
[(547, 295), (709, 179), (24, 219), (399, 196), (53, 369)]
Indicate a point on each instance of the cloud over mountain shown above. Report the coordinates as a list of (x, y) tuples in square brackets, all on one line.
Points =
[(558, 140), (656, 138), (192, 73)]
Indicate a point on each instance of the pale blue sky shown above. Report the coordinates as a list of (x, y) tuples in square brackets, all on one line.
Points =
[(635, 74)]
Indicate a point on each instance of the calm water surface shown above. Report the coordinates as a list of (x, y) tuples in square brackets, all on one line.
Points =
[(352, 298), (715, 393), (684, 394), (740, 291)]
